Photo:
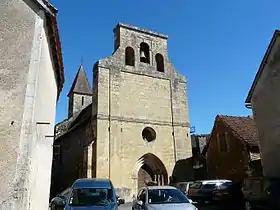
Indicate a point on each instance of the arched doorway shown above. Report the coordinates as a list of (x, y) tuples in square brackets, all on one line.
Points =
[(150, 168)]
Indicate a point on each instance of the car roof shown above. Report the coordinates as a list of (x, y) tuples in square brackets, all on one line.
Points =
[(214, 181), (159, 187), (92, 183)]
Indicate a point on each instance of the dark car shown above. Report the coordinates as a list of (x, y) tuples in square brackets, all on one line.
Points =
[(201, 191), (228, 192), (183, 186), (89, 194)]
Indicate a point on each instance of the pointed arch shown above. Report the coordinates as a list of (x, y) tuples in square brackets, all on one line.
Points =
[(153, 166)]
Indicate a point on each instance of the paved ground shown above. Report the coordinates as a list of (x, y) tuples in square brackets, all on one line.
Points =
[(127, 206)]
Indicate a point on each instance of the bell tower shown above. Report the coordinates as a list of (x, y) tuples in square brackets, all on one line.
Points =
[(80, 94)]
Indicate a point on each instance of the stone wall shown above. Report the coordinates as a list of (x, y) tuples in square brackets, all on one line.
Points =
[(232, 164), (266, 109), (17, 36), (77, 102), (27, 110), (70, 163)]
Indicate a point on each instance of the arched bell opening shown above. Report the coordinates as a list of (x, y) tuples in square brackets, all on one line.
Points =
[(144, 53)]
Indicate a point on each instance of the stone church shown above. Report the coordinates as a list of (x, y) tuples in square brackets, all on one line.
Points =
[(132, 125)]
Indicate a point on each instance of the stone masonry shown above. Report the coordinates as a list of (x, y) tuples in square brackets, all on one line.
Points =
[(128, 98), (30, 64)]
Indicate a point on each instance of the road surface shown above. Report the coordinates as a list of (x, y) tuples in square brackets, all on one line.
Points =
[(127, 206)]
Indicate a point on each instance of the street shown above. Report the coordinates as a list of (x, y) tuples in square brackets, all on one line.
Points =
[(127, 206)]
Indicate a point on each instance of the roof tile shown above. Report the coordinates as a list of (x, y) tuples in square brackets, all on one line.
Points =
[(244, 127)]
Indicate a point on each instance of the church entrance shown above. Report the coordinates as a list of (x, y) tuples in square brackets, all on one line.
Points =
[(151, 169)]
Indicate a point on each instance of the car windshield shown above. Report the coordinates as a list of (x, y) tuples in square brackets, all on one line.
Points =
[(165, 196), (91, 197)]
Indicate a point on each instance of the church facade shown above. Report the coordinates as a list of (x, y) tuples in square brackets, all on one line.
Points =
[(133, 125)]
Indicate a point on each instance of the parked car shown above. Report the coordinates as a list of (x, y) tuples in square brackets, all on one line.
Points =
[(162, 197), (183, 186), (228, 192), (201, 191), (89, 194), (59, 199)]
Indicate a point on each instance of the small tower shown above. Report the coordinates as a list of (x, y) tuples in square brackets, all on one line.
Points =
[(80, 94)]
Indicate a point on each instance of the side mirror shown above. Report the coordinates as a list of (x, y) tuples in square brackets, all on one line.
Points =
[(190, 200), (140, 203), (121, 201)]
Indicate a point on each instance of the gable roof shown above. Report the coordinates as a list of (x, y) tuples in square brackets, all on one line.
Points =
[(55, 44), (242, 127), (261, 68), (81, 84)]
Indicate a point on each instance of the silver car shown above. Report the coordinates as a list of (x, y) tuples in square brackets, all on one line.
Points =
[(162, 197)]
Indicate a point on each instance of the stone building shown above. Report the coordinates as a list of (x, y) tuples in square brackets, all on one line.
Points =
[(31, 71), (263, 100), (232, 150), (199, 142), (137, 126)]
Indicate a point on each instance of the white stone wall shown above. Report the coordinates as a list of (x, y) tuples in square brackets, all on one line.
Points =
[(28, 94), (44, 119), (266, 110)]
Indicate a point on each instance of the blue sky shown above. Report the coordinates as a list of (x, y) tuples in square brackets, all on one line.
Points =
[(218, 45)]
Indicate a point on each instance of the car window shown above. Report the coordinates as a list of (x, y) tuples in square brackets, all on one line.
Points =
[(195, 185), (166, 196), (209, 186), (91, 196)]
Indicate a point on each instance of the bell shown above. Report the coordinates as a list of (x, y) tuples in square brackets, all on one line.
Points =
[(142, 55)]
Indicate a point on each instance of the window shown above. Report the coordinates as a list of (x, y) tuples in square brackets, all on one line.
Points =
[(129, 56), (149, 134), (144, 53), (83, 100), (160, 62), (223, 142)]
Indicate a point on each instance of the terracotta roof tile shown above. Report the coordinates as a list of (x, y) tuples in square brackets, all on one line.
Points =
[(243, 127)]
